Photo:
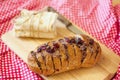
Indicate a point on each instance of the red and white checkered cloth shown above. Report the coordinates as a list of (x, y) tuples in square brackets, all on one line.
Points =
[(97, 17)]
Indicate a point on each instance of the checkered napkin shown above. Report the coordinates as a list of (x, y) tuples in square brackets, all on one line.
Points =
[(97, 17)]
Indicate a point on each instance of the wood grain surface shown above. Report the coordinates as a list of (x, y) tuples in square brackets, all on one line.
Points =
[(104, 70), (115, 2)]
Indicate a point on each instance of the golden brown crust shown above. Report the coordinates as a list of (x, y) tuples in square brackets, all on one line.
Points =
[(78, 57), (71, 57), (64, 55), (56, 59), (64, 58), (32, 64)]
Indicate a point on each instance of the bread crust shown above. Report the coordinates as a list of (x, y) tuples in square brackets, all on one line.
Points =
[(64, 54)]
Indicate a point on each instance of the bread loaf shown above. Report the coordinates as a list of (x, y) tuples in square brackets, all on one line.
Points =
[(35, 24), (64, 54)]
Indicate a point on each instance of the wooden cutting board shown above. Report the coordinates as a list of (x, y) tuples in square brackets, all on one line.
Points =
[(104, 70)]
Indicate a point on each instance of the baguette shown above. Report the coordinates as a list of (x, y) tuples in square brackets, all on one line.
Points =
[(64, 54)]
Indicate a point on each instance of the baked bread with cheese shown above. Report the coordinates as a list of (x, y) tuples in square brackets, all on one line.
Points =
[(64, 54), (36, 24)]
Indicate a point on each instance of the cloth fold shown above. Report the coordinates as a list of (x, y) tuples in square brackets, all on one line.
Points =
[(99, 18)]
